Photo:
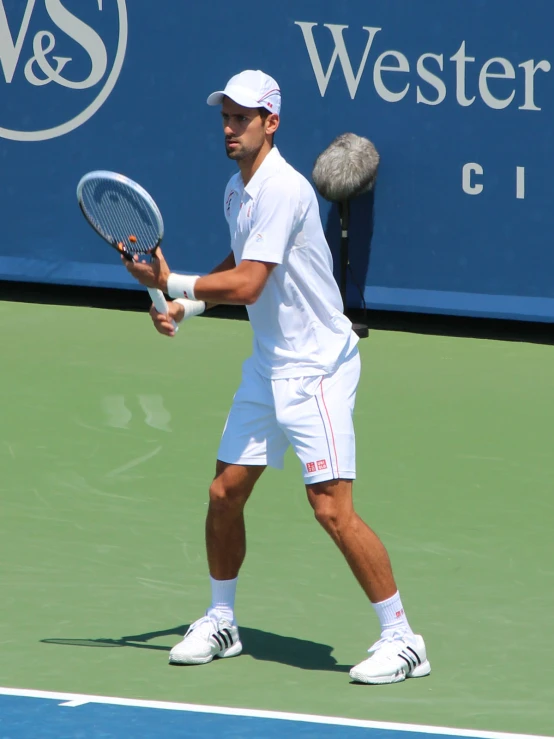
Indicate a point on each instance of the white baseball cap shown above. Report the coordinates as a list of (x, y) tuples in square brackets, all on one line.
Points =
[(252, 89)]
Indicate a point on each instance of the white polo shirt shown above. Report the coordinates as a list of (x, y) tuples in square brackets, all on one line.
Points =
[(298, 321)]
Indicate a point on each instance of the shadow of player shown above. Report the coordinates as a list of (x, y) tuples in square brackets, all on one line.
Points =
[(261, 645)]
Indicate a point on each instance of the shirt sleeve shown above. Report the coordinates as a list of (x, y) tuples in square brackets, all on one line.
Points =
[(274, 220)]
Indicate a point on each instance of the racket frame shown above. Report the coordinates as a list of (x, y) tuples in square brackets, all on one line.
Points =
[(157, 296)]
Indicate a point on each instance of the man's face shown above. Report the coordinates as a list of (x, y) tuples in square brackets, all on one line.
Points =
[(244, 129)]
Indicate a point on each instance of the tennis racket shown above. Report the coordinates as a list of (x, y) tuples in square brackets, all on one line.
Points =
[(124, 215)]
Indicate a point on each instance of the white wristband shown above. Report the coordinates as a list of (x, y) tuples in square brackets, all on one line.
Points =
[(192, 307), (181, 286)]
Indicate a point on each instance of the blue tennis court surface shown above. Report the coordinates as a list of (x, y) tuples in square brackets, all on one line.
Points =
[(28, 714)]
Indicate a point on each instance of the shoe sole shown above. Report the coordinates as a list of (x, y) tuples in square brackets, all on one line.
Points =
[(421, 670), (233, 651)]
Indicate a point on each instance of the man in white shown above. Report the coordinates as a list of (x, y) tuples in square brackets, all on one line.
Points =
[(298, 387)]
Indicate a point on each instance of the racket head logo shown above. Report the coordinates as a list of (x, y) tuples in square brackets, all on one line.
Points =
[(55, 55), (120, 194), (121, 211)]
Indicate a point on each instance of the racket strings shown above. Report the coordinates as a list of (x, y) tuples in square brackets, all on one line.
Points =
[(122, 215)]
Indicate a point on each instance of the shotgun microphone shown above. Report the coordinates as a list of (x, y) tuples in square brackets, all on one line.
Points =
[(346, 169)]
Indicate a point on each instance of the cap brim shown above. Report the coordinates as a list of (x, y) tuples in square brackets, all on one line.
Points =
[(216, 98), (238, 94)]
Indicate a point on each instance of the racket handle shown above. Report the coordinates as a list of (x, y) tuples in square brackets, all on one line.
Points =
[(160, 303)]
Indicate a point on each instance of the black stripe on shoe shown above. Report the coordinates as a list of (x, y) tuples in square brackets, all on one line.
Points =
[(408, 660), (226, 631), (226, 640), (218, 639), (416, 655)]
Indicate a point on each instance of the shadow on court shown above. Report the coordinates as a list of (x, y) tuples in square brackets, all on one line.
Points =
[(261, 645), (383, 320)]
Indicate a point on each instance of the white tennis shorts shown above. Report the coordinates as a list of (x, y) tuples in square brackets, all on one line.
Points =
[(312, 414)]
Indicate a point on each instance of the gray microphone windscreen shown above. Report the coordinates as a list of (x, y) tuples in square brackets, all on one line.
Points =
[(346, 169)]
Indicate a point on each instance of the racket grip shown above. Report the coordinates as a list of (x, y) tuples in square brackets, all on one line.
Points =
[(160, 303)]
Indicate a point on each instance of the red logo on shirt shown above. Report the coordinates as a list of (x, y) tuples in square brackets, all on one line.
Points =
[(310, 466), (321, 464)]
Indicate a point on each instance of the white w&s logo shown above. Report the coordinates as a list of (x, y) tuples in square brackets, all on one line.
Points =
[(41, 63)]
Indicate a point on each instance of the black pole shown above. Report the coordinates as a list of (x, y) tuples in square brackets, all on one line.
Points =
[(344, 213)]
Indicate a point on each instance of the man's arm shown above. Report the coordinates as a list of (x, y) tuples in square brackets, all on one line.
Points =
[(228, 283), (241, 285), (227, 264)]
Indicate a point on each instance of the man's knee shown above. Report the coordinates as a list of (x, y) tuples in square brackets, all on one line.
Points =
[(326, 514), (230, 489), (332, 504), (226, 498)]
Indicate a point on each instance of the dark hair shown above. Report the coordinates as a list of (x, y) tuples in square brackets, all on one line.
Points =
[(264, 114)]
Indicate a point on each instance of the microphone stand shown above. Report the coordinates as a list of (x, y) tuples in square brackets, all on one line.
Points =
[(344, 214)]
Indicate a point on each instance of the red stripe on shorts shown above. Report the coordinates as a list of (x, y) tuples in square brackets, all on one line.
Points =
[(331, 427)]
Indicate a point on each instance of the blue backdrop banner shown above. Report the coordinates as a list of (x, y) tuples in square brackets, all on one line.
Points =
[(457, 97)]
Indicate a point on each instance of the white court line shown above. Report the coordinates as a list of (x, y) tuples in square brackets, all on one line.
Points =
[(76, 699)]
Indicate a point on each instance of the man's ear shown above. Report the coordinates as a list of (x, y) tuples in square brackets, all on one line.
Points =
[(272, 123)]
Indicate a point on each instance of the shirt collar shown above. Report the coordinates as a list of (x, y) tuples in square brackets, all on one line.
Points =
[(267, 167)]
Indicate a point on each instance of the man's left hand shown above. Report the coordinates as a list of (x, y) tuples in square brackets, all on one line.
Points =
[(150, 274)]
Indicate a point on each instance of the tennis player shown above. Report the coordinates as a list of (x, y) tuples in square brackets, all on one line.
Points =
[(298, 388)]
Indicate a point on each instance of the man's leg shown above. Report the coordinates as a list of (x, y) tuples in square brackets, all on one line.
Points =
[(316, 413), (251, 440), (216, 634), (361, 547), (399, 653), (225, 532)]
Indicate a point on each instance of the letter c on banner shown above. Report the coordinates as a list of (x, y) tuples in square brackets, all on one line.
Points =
[(470, 187)]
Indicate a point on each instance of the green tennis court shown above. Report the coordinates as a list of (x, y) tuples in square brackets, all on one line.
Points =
[(107, 446)]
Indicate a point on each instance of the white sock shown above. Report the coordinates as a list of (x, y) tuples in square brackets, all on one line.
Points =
[(223, 598), (391, 615)]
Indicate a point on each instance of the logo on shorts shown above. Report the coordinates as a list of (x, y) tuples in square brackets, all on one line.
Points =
[(45, 43), (321, 464)]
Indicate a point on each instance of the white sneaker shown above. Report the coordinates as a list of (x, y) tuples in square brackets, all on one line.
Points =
[(393, 659), (205, 639)]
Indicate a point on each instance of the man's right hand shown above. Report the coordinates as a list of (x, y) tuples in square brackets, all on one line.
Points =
[(163, 323)]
